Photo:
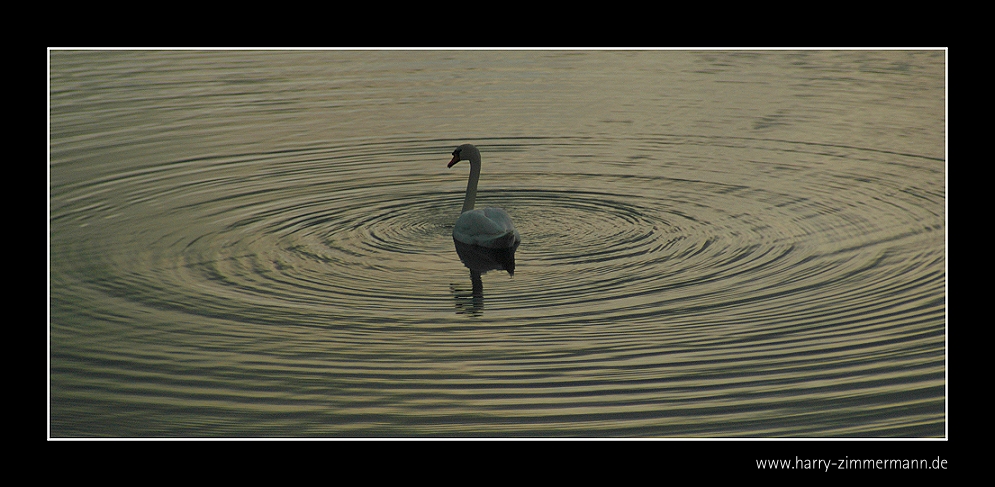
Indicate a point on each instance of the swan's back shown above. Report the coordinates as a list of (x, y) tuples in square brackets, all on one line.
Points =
[(488, 227)]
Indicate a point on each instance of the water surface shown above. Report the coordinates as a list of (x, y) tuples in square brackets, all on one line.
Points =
[(715, 244)]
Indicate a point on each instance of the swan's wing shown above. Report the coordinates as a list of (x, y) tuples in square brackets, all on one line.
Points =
[(477, 223), (484, 227), (500, 218)]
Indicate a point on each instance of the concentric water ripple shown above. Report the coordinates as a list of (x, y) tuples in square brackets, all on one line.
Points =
[(640, 292)]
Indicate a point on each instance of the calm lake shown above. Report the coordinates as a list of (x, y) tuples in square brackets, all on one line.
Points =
[(258, 243)]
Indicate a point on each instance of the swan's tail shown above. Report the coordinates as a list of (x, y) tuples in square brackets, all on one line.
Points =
[(505, 241)]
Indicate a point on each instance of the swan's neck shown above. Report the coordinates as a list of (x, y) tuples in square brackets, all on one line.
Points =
[(471, 186)]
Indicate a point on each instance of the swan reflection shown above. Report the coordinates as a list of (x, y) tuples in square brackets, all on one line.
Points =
[(480, 260)]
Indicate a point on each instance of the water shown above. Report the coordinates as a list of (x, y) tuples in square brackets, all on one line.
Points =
[(715, 244)]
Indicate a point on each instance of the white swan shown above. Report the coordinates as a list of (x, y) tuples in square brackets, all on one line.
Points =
[(489, 227)]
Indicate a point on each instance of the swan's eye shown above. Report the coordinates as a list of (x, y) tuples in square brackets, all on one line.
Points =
[(456, 152)]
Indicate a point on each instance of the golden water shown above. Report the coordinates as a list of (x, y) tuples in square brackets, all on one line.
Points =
[(730, 244)]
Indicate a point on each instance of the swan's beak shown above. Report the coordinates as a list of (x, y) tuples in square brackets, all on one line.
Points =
[(454, 161)]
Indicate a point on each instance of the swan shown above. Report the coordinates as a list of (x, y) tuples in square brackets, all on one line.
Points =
[(488, 227)]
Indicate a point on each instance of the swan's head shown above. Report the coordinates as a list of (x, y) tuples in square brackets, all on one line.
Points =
[(465, 152)]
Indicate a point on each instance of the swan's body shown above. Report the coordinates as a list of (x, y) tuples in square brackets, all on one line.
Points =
[(488, 227)]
